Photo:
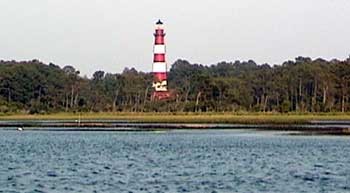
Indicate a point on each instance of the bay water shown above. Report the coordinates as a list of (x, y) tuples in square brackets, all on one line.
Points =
[(173, 161)]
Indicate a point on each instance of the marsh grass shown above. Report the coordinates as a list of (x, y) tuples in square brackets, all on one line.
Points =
[(219, 118)]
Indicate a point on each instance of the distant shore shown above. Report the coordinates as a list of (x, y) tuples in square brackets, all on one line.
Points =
[(334, 124), (213, 118)]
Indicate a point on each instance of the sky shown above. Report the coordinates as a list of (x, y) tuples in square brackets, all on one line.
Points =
[(111, 35)]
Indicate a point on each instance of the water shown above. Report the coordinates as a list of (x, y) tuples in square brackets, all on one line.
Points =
[(176, 161)]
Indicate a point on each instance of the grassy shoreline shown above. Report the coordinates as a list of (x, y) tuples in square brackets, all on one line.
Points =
[(217, 118)]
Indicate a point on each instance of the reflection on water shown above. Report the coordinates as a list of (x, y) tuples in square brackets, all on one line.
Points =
[(177, 161)]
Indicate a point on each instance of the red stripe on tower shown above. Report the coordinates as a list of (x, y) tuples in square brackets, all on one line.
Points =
[(159, 39), (160, 81), (160, 76), (159, 57)]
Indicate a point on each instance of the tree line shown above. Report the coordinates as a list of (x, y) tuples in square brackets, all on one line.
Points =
[(301, 85)]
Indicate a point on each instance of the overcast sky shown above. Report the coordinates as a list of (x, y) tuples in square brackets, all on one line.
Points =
[(113, 34)]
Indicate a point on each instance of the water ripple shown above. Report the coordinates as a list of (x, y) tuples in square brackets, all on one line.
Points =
[(198, 161)]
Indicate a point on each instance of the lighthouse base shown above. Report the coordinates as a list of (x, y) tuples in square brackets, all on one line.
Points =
[(161, 95)]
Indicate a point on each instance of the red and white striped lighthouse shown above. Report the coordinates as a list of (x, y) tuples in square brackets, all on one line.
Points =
[(160, 81)]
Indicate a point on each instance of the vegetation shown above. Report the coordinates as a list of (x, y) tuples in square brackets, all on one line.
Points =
[(241, 118), (300, 86)]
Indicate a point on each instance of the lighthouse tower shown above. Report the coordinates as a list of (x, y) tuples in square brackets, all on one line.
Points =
[(160, 80)]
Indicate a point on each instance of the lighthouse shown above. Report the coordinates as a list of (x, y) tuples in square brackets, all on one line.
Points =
[(160, 76)]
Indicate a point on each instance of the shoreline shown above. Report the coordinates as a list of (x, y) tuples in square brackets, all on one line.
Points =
[(178, 117), (330, 124), (330, 127)]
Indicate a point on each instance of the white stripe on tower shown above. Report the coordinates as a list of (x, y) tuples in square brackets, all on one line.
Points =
[(159, 67), (159, 49)]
